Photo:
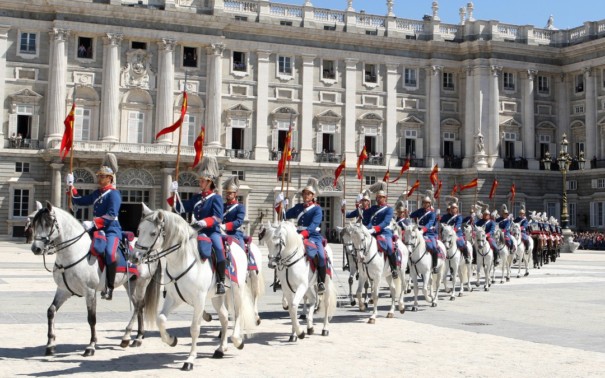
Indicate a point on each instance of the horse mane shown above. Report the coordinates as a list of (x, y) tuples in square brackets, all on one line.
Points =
[(176, 229), (65, 219)]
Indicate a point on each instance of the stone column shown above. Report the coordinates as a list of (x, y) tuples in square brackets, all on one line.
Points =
[(469, 127), (390, 129), (350, 123), (562, 103), (481, 96), (55, 184), (214, 75), (493, 137), (434, 142), (3, 47), (529, 127), (592, 144), (167, 180), (57, 90), (305, 127), (110, 92), (165, 95), (261, 150)]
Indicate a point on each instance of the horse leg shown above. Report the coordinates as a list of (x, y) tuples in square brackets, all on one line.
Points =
[(236, 337), (415, 280), (194, 330), (372, 319), (91, 307), (360, 287), (60, 298), (297, 297), (162, 319), (454, 278), (137, 313), (310, 310)]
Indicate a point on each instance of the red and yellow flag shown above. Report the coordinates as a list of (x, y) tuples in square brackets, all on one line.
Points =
[(414, 187), (492, 191), (363, 155), (471, 184), (513, 193), (285, 155), (387, 176), (433, 176), (438, 192), (404, 168), (454, 190), (178, 122), (339, 170), (67, 141), (199, 147)]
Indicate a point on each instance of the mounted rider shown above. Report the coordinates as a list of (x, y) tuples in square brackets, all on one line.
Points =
[(361, 206), (523, 223), (504, 222), (234, 213), (489, 226), (207, 210), (426, 218), (309, 216), (402, 213), (381, 216), (454, 219), (105, 226)]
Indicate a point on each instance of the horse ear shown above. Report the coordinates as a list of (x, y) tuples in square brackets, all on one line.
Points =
[(146, 210), (49, 205), (38, 206), (161, 216)]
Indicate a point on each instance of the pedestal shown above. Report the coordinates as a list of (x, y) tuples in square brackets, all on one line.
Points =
[(568, 246)]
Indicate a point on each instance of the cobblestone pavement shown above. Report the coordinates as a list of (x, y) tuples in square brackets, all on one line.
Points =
[(547, 324)]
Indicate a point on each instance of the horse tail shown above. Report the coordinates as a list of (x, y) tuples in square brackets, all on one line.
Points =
[(246, 309), (329, 304), (259, 290), (152, 297)]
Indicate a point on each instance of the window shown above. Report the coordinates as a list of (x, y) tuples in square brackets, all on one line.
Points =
[(135, 196), (448, 81), (597, 214), (572, 214), (284, 65), (241, 175), (330, 27), (241, 18), (189, 56), (578, 109), (135, 126), (508, 81), (579, 81), (82, 124), (285, 23), (239, 61), (370, 73), (190, 130), (598, 183), (138, 45), (85, 48), (238, 127), (543, 85), (572, 185), (370, 180), (410, 77), (20, 202), (448, 143), (328, 70), (21, 167), (579, 146), (552, 209), (28, 43), (509, 145)]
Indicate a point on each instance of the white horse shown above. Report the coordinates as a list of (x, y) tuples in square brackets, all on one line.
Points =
[(190, 280), (287, 255), (77, 272), (485, 257), (454, 262), (255, 279), (374, 266), (347, 245), (522, 254), (420, 263), (505, 255)]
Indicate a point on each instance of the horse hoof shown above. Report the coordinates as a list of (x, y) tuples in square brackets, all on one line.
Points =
[(371, 301), (518, 276), (302, 335), (302, 317), (390, 315), (50, 351), (208, 318), (325, 332), (493, 281), (434, 304), (371, 321), (187, 366), (124, 343), (258, 321), (241, 346), (174, 341), (501, 281), (220, 334), (452, 298), (507, 279), (414, 308), (293, 338), (486, 289), (285, 308), (310, 331), (459, 295), (353, 302), (88, 352), (526, 274), (218, 354), (136, 343)]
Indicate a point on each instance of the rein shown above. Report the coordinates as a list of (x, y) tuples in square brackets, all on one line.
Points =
[(415, 247), (62, 270), (285, 262), (51, 248)]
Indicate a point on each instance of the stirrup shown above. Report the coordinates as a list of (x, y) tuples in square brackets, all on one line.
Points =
[(394, 273), (321, 288), (220, 288), (435, 270), (107, 295)]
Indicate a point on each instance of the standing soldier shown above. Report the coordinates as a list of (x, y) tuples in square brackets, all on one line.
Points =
[(454, 219), (207, 209), (105, 225), (234, 213), (380, 217), (309, 216), (426, 218)]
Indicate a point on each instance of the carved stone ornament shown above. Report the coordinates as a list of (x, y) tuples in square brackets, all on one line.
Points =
[(84, 78), (138, 73), (135, 177), (326, 184), (60, 34)]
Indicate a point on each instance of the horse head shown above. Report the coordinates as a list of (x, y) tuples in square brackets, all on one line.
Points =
[(45, 229), (410, 235), (360, 239), (448, 236)]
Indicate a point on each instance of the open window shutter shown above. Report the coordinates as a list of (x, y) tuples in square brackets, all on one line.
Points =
[(419, 148), (552, 148), (228, 136), (379, 143), (12, 125), (361, 139), (593, 183), (337, 143), (318, 142), (518, 148), (457, 148), (274, 139), (294, 143), (35, 127), (402, 151), (248, 139)]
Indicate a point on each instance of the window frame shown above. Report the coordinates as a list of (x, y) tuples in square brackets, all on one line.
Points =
[(92, 47), (25, 54), (509, 82), (409, 85), (196, 55), (448, 82), (329, 80), (284, 75), (240, 72)]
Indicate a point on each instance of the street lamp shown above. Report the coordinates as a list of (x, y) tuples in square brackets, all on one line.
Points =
[(546, 161), (564, 161)]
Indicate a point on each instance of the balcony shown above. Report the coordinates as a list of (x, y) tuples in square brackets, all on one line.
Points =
[(328, 157), (416, 163), (276, 155), (595, 163), (454, 162), (515, 163), (375, 160), (239, 154)]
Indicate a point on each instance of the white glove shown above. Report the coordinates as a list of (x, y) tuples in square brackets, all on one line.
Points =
[(223, 227), (301, 228), (473, 215), (202, 223), (69, 179), (279, 198), (510, 217), (372, 231), (88, 225), (359, 197), (174, 186), (343, 203), (286, 202), (438, 212)]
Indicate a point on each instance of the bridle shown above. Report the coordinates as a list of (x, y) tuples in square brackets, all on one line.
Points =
[(364, 248), (284, 263), (413, 246), (449, 243), (151, 254)]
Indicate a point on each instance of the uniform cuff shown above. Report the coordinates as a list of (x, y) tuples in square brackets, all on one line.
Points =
[(377, 228), (305, 234), (229, 226)]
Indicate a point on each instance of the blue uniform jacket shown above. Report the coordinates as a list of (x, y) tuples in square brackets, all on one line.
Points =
[(455, 221), (523, 223), (490, 226), (504, 224), (233, 218), (308, 218), (403, 222), (355, 213), (106, 207), (380, 219), (426, 220), (208, 207)]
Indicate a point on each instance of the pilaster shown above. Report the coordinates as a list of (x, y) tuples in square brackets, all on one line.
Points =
[(529, 129), (493, 137), (57, 90), (110, 93), (434, 142), (3, 48), (470, 129), (165, 95), (261, 150), (214, 95), (305, 130), (390, 130), (350, 121), (592, 144)]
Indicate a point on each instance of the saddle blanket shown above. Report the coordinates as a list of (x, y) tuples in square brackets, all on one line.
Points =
[(122, 263), (328, 263)]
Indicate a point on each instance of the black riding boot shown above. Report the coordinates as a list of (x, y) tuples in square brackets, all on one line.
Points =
[(393, 264), (496, 258), (110, 279), (435, 261), (321, 278), (467, 258), (220, 274)]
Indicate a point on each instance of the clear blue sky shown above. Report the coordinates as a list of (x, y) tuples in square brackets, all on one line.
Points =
[(567, 13)]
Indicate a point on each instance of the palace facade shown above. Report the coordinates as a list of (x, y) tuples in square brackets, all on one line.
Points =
[(479, 98)]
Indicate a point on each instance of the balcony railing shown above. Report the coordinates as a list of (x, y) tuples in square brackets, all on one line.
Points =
[(416, 163), (276, 155), (454, 162), (328, 157), (375, 160), (239, 154), (515, 163), (554, 165), (595, 163)]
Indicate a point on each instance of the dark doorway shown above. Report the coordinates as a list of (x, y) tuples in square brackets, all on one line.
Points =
[(130, 216)]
